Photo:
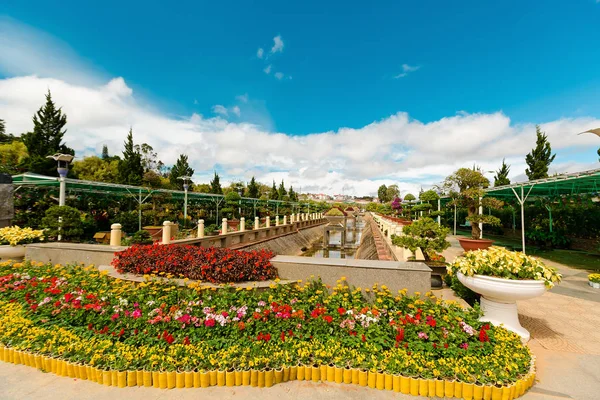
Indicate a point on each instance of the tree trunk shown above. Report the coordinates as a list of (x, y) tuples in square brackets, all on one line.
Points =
[(475, 231)]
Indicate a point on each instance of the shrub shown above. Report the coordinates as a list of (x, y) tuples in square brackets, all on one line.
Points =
[(71, 227), (425, 234), (141, 237), (334, 212), (212, 264)]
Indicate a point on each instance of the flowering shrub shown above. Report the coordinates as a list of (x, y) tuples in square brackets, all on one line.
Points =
[(208, 264), (594, 278), (80, 315), (13, 235), (502, 263)]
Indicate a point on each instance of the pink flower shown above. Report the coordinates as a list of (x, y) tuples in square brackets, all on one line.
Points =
[(115, 316), (136, 313), (423, 335)]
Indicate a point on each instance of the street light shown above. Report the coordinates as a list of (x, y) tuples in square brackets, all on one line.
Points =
[(185, 180), (63, 161)]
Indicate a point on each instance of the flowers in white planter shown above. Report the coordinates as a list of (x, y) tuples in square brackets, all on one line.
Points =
[(13, 235), (502, 263)]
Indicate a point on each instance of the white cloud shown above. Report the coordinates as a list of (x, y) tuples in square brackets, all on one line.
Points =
[(242, 98), (406, 69), (219, 109), (279, 75), (396, 149), (260, 52), (268, 69), (236, 110), (277, 44)]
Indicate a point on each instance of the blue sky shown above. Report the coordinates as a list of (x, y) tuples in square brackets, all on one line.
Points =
[(341, 65)]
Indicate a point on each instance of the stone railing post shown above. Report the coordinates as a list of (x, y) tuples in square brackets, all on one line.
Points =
[(200, 228), (277, 220), (268, 222), (115, 235), (285, 219), (224, 227), (292, 218), (166, 232), (256, 223), (242, 224)]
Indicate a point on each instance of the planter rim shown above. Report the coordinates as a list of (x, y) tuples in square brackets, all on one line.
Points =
[(528, 282), (467, 239)]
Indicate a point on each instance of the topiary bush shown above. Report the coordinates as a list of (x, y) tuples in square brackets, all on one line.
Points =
[(71, 227)]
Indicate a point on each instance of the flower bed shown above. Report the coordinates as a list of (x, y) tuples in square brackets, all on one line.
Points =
[(212, 264), (14, 235), (83, 318), (501, 263)]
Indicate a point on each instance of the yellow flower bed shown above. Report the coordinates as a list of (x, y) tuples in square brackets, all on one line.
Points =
[(14, 235)]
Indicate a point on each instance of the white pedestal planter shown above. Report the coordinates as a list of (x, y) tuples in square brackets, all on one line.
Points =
[(499, 297), (595, 285), (16, 253)]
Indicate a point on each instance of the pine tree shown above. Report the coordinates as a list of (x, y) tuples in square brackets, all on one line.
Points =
[(292, 194), (282, 192), (46, 138), (501, 177), (131, 170), (105, 155), (274, 194), (540, 157), (181, 168), (215, 185), (253, 189)]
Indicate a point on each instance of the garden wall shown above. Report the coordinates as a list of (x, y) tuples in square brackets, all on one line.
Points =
[(413, 276), (72, 253)]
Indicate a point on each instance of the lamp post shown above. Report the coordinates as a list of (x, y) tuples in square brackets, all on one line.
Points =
[(185, 180), (63, 161)]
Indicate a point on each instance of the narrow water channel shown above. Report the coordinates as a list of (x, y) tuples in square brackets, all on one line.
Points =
[(354, 229)]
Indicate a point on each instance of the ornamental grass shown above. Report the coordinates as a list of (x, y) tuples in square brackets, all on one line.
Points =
[(83, 316)]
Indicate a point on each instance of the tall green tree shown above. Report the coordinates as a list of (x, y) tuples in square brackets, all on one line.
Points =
[(181, 168), (274, 194), (215, 185), (540, 157), (253, 189), (282, 192), (382, 193), (5, 138), (105, 155), (46, 138), (501, 177), (131, 170), (392, 192), (293, 195)]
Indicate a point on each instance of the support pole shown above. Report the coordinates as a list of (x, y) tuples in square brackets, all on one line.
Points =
[(185, 206), (140, 210), (59, 228), (549, 216), (481, 223), (439, 218), (62, 191), (454, 219), (522, 200)]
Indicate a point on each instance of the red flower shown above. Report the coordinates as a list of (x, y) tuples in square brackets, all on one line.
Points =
[(209, 322), (363, 338), (342, 310), (483, 336), (328, 318), (186, 340), (400, 335), (430, 321), (283, 336), (445, 345), (90, 327)]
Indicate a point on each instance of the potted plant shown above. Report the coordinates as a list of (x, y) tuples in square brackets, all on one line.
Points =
[(466, 186), (427, 235), (502, 277), (13, 240), (335, 216), (594, 280)]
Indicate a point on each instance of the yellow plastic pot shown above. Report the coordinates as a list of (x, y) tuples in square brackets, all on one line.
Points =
[(179, 380), (89, 372), (238, 377), (286, 374), (431, 387), (156, 379), (439, 388), (294, 373), (380, 380), (261, 378), (10, 357), (82, 371), (355, 376), (139, 377), (204, 379), (467, 391), (508, 392), (254, 378), (213, 377), (220, 378), (17, 357), (477, 392), (269, 377), (458, 389), (396, 383), (339, 375), (100, 376), (37, 361), (496, 393), (246, 378), (53, 366), (114, 378), (323, 373), (389, 382), (362, 378), (487, 392), (372, 379), (278, 376), (196, 375), (2, 353), (519, 388), (329, 373), (315, 374), (347, 375), (301, 373), (64, 369), (230, 378), (171, 379), (147, 378), (31, 359), (122, 379), (188, 379), (423, 387), (106, 379), (404, 385), (414, 386), (162, 380), (449, 388)]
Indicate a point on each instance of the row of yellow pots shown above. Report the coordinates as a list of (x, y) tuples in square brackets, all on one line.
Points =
[(267, 378)]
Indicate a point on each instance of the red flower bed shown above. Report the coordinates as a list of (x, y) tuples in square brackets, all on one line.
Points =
[(210, 264)]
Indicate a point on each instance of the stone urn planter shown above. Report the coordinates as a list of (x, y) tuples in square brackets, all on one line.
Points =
[(335, 219), (8, 252), (469, 244), (499, 299)]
